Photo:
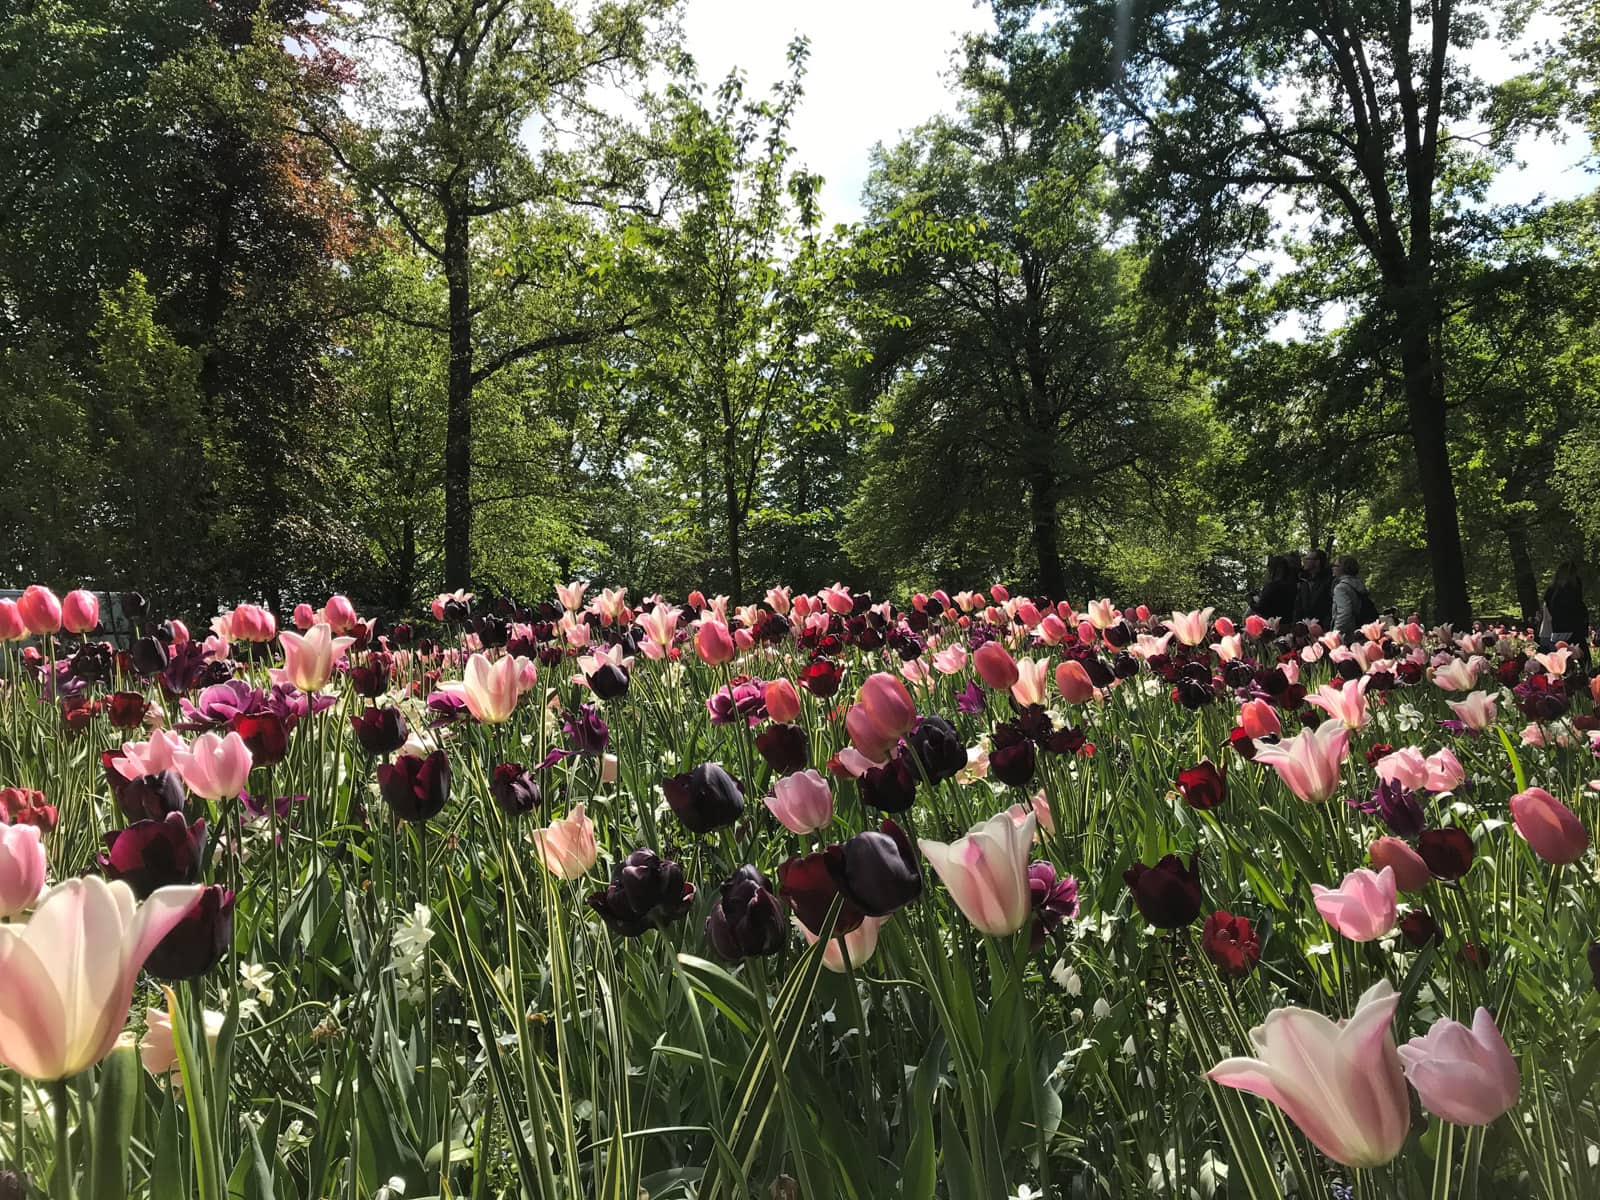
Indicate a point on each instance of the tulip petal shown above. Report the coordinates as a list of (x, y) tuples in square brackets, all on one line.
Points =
[(32, 1031)]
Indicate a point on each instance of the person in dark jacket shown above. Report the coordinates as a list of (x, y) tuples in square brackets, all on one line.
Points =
[(1351, 606), (1278, 594), (1569, 615), (1315, 599)]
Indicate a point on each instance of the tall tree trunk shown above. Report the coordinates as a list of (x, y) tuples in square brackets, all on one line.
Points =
[(730, 486), (1522, 572), (458, 426), (1044, 493), (1424, 386)]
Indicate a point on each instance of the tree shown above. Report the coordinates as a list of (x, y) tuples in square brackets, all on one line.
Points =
[(1354, 109), (481, 126)]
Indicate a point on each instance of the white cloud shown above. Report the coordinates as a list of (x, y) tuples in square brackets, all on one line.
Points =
[(877, 69)]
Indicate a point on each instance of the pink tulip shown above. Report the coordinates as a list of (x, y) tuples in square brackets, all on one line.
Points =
[(714, 643), (80, 611), (995, 666), (1033, 677), (1309, 762), (1549, 826), (70, 972), (491, 690), (1190, 628), (1464, 1076), (309, 658), (1142, 613), (1073, 682), (1362, 908), (1445, 772), (22, 867), (214, 767), (459, 596), (1052, 630), (952, 660), (571, 595), (1411, 873), (304, 617), (566, 846), (1342, 1084), (1456, 675), (1406, 767), (1255, 625), (986, 872), (838, 599), (802, 802), (148, 758), (40, 610), (1146, 646), (861, 942), (783, 702), (999, 594), (12, 626), (157, 1051), (1038, 808), (778, 600), (1259, 719), (252, 623), (1475, 711), (1224, 626), (1347, 704), (881, 715), (1103, 614), (1028, 613)]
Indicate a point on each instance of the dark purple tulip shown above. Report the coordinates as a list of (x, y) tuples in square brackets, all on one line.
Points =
[(1168, 894), (787, 748), (198, 942), (891, 787), (972, 700), (1594, 964), (937, 748), (515, 789), (609, 681), (586, 730), (1012, 761), (415, 789), (1055, 901), (151, 854), (1398, 807), (148, 656), (876, 871), (380, 730), (809, 888), (746, 921), (150, 797), (646, 892), (705, 798), (371, 678), (1126, 666), (1448, 852)]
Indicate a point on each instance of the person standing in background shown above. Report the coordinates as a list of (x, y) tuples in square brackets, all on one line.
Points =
[(1352, 607), (1279, 592), (1565, 617), (1315, 599)]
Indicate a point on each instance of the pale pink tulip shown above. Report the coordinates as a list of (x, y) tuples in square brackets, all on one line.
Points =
[(309, 658), (80, 611), (1406, 767), (1445, 772), (1038, 808), (1456, 675), (148, 758), (1103, 614), (70, 972), (1362, 908), (1549, 826), (1073, 682), (1309, 762), (995, 666), (22, 867), (1463, 1076), (1347, 704), (838, 599), (951, 660), (1342, 1084), (1145, 646), (40, 610), (986, 872), (778, 600), (802, 802), (571, 595), (1554, 663), (214, 767), (1191, 627), (491, 689), (157, 1050), (1228, 647), (861, 942), (1411, 873), (1033, 677), (882, 714), (1476, 711), (566, 846)]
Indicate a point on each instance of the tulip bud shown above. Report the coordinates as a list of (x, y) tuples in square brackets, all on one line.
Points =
[(705, 798), (197, 943), (416, 789), (40, 610), (1549, 826), (80, 611), (747, 921)]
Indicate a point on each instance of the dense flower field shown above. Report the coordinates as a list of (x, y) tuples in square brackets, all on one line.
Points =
[(976, 898)]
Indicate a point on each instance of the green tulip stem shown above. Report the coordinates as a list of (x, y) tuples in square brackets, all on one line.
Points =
[(61, 1181)]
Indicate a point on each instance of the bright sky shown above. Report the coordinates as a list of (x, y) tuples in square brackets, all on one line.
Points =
[(880, 67)]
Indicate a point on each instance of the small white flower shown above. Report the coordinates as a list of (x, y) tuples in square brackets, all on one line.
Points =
[(1077, 1016), (1102, 1009), (259, 980), (1409, 718)]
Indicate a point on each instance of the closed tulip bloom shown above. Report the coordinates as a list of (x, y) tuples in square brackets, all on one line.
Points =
[(1259, 719), (416, 788), (1342, 1084), (1168, 894), (80, 611), (70, 972), (1464, 1076), (1033, 678), (340, 614), (1309, 762), (566, 846), (747, 921), (705, 798), (986, 872), (380, 731), (214, 767), (304, 616), (1411, 872), (197, 943), (12, 626), (40, 610), (1073, 682), (876, 870), (882, 714), (1456, 675), (1445, 772), (860, 943), (252, 623), (995, 666), (1549, 826), (309, 658), (1362, 908), (646, 892), (801, 802), (491, 690), (783, 702), (713, 643), (22, 868), (150, 855), (1406, 767)]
